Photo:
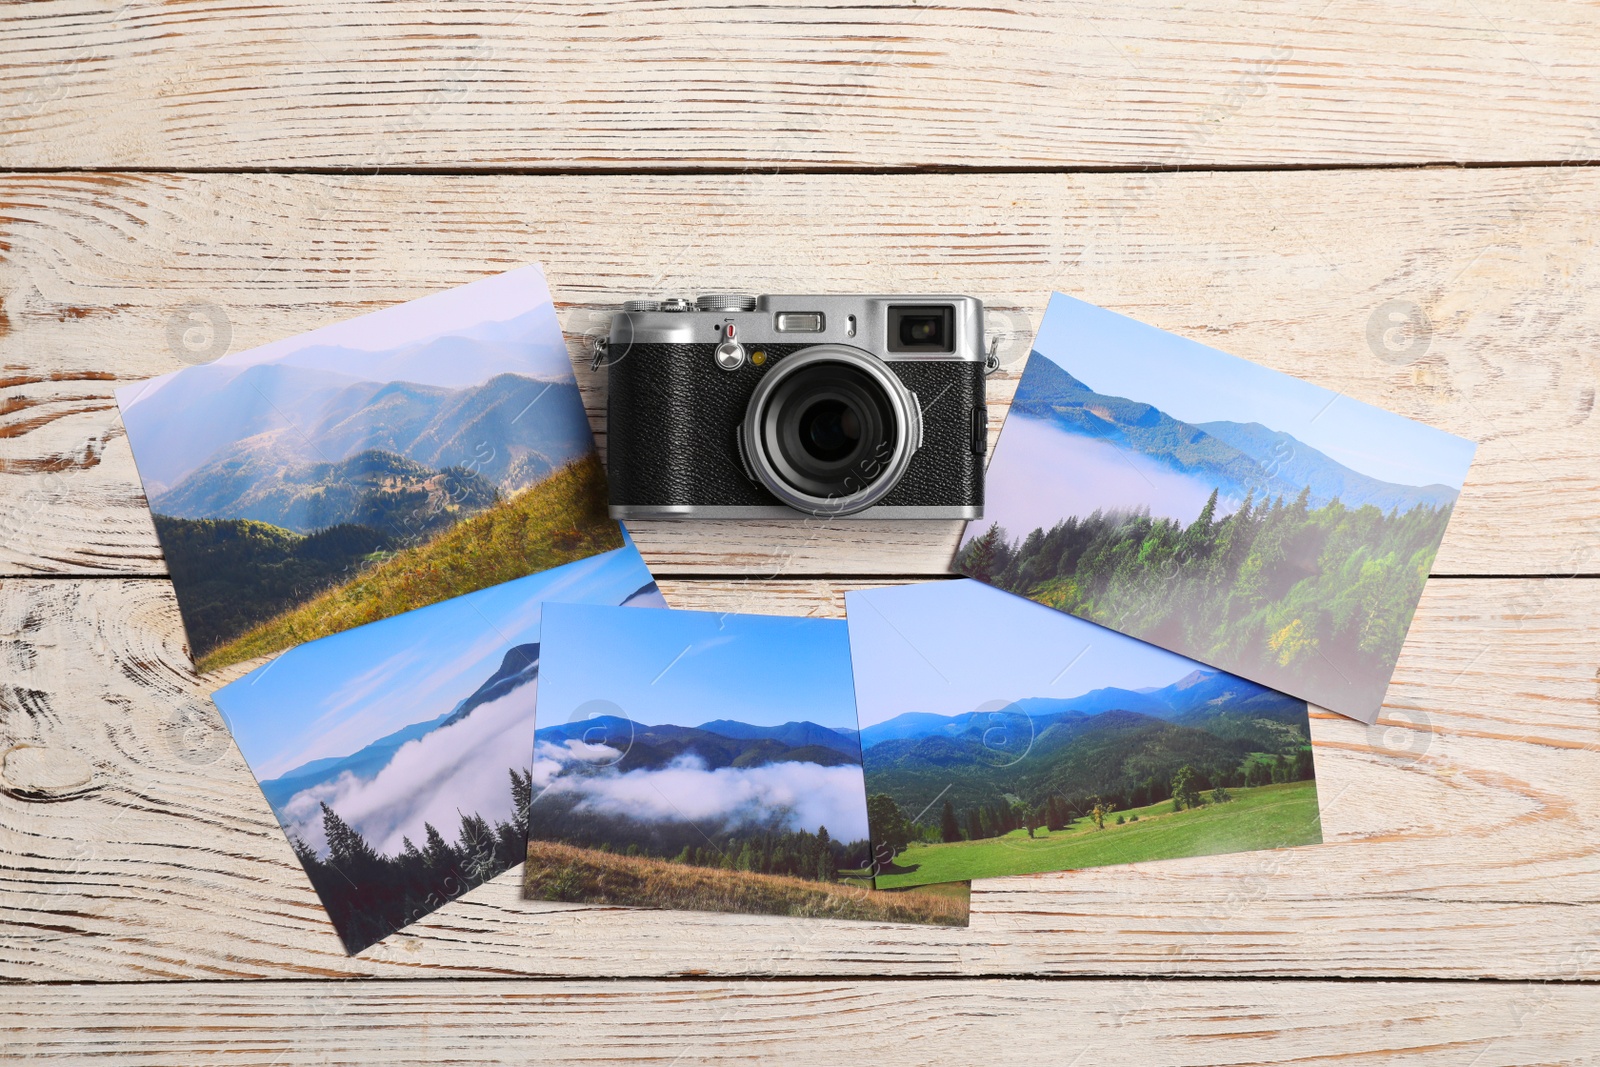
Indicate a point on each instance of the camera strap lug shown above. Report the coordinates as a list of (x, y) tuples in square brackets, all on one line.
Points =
[(991, 359), (598, 349)]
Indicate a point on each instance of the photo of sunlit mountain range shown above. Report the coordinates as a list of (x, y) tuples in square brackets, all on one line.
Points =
[(1214, 507), (396, 755), (1063, 745), (705, 761), (368, 468)]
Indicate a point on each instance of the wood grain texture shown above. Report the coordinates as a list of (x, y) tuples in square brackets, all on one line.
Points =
[(99, 274), (135, 847), (930, 1022), (1460, 834), (642, 84)]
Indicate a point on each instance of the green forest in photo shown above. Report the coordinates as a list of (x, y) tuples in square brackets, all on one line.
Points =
[(1296, 597), (369, 896)]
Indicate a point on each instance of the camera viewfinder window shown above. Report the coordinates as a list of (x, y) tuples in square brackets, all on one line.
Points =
[(922, 328)]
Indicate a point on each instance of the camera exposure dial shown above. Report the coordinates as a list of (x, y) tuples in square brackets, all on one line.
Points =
[(724, 302)]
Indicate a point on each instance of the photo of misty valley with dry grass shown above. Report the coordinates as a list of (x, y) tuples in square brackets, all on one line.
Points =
[(726, 816), (763, 814)]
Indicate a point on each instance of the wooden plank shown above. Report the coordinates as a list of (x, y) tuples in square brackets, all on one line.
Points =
[(1295, 269), (644, 84), (135, 846), (1002, 1022)]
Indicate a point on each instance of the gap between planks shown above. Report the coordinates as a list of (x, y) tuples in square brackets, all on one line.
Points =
[(1498, 262)]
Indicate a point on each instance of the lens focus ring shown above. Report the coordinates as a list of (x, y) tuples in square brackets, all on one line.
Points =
[(830, 430)]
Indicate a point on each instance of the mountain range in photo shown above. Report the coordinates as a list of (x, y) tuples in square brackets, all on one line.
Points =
[(1064, 759), (705, 761), (1236, 459), (1228, 541), (278, 481), (1107, 743)]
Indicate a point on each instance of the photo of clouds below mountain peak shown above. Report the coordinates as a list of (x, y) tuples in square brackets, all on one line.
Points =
[(1239, 516), (368, 467), (711, 762), (396, 755)]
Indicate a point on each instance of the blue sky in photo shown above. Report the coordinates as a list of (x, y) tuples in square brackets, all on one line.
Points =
[(1119, 356), (333, 696), (494, 299), (951, 647), (690, 667)]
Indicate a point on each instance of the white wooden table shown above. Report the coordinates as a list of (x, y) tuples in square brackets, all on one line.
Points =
[(1290, 181)]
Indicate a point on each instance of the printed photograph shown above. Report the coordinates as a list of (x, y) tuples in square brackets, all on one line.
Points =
[(1000, 737), (709, 762), (368, 468), (396, 755), (1209, 505)]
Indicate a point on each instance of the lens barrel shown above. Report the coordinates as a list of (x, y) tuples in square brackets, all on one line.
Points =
[(830, 430)]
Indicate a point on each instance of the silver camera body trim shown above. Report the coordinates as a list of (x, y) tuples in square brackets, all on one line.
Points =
[(723, 511), (857, 321)]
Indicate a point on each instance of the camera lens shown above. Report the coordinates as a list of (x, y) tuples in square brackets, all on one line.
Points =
[(830, 430), (830, 427)]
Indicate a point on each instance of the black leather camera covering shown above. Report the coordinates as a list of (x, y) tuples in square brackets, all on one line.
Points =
[(673, 415)]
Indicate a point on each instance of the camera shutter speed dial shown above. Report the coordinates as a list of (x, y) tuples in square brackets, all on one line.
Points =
[(724, 302)]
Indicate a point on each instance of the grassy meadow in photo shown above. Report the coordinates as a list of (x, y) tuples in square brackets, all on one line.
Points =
[(1269, 816), (1214, 507), (999, 737), (561, 519)]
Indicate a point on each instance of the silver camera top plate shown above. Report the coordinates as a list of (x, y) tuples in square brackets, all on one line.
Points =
[(858, 321)]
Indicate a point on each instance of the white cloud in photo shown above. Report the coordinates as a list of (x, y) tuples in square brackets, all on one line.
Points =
[(800, 796), (460, 769)]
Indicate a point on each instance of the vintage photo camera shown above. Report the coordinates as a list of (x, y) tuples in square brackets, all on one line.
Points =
[(742, 407)]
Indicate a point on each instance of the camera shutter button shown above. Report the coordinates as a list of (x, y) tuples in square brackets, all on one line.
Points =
[(730, 353)]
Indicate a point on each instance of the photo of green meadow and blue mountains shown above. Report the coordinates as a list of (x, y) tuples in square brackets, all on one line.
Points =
[(1242, 517), (396, 755), (1000, 737), (367, 468), (708, 762)]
